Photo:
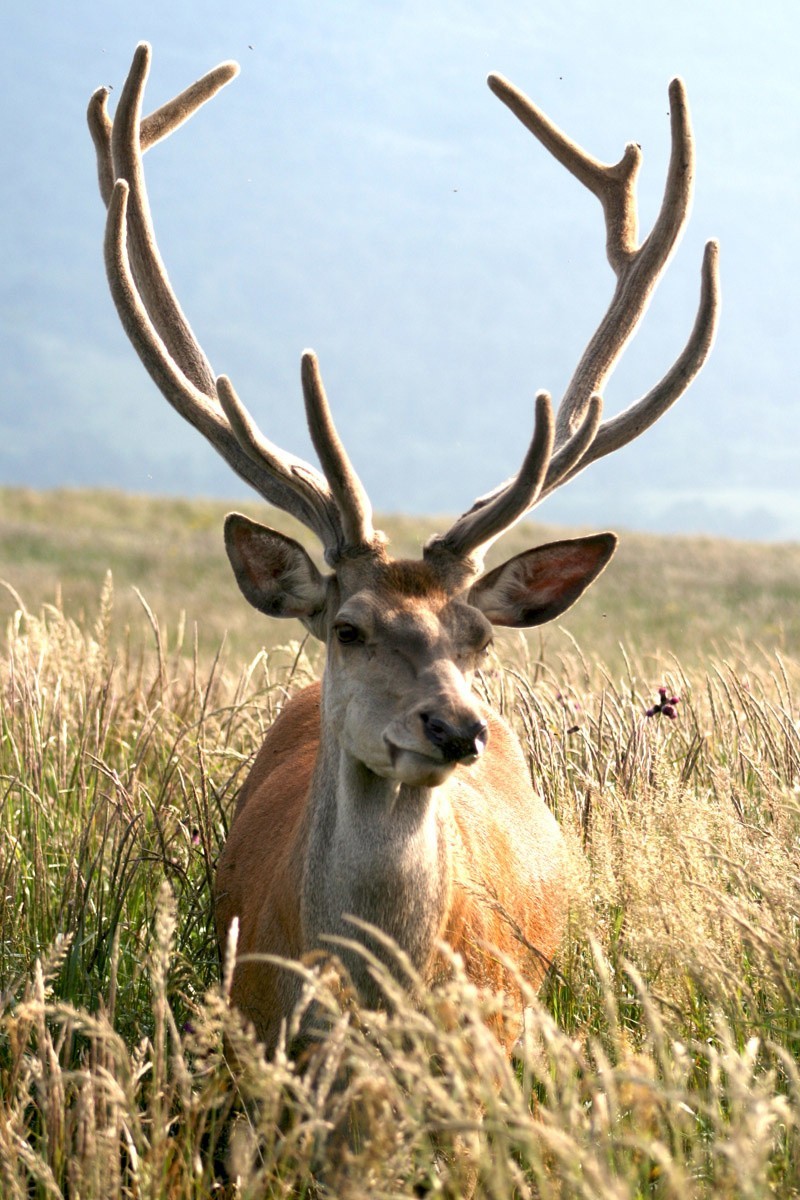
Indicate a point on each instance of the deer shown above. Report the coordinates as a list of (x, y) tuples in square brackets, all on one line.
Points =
[(388, 796)]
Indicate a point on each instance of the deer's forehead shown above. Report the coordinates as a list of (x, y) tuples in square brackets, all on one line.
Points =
[(415, 619)]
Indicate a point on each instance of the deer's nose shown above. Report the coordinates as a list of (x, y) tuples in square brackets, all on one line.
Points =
[(455, 742)]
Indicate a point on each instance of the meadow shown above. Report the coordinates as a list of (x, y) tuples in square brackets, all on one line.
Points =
[(661, 1056)]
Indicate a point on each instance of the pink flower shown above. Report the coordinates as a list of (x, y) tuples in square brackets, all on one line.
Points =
[(665, 706)]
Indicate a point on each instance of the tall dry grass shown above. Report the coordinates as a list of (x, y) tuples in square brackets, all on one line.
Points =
[(660, 1059)]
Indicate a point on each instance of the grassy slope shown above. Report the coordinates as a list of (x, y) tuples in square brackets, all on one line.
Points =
[(675, 595), (663, 1056)]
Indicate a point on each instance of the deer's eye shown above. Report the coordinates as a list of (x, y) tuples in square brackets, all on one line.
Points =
[(347, 634), (483, 652)]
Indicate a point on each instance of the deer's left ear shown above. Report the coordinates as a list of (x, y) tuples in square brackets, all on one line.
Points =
[(540, 584)]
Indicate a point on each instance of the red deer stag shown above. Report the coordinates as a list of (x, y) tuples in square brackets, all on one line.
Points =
[(388, 791)]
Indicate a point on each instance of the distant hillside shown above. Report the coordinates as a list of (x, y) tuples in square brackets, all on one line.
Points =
[(661, 596)]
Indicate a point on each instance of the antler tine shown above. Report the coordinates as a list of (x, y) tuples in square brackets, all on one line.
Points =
[(164, 120), (563, 465), (152, 317), (618, 431), (311, 492), (274, 475), (474, 532), (566, 461), (351, 498), (637, 267), (613, 185), (157, 125), (100, 130), (580, 438), (148, 268)]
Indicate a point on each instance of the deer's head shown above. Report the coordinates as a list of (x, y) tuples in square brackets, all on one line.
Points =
[(404, 638)]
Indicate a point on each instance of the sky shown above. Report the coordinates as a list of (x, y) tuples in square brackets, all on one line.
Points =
[(358, 189)]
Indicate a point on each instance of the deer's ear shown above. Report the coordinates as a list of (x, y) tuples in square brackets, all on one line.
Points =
[(273, 571), (538, 585)]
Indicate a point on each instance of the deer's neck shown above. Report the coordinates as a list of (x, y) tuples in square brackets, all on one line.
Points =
[(377, 850)]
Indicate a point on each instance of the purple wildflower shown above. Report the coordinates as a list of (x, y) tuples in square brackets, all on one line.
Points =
[(666, 705)]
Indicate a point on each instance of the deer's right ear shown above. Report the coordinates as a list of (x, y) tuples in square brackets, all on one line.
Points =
[(274, 572)]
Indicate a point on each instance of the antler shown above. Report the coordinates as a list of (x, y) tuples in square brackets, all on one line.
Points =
[(335, 508), (579, 437), (334, 505)]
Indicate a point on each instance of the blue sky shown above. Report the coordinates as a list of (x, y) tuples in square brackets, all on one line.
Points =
[(358, 189)]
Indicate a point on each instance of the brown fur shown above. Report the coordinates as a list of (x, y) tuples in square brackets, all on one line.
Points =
[(258, 879), (497, 892), (411, 578)]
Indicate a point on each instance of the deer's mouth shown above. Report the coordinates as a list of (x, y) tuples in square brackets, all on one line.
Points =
[(415, 767)]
